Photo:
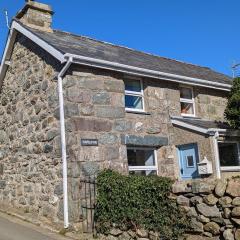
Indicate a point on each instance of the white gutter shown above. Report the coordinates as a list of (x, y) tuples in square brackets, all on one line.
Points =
[(210, 131), (146, 72), (63, 142), (216, 153), (189, 126), (225, 132)]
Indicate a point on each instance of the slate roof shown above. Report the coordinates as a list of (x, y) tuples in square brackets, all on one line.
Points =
[(206, 124), (88, 47)]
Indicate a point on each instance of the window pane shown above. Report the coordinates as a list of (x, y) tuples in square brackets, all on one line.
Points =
[(134, 102), (190, 161), (186, 93), (228, 154), (187, 108), (140, 157), (143, 173), (133, 85)]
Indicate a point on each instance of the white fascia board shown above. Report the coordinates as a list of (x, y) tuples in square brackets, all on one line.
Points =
[(3, 69), (16, 27), (189, 126), (209, 131), (226, 132), (146, 72), (50, 49), (6, 54), (230, 169), (139, 168)]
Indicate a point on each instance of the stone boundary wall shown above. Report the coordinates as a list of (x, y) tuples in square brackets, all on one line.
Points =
[(213, 208)]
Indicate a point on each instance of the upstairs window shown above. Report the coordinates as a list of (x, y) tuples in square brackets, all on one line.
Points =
[(187, 101), (134, 99), (142, 161), (228, 155)]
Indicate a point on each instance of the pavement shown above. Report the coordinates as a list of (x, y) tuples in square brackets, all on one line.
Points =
[(12, 228)]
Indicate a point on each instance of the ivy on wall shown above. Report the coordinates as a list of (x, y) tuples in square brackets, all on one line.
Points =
[(131, 202)]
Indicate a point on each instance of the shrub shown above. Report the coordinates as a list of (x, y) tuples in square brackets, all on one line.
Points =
[(137, 202), (232, 111)]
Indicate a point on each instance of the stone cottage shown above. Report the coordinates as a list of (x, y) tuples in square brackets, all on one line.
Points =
[(71, 105)]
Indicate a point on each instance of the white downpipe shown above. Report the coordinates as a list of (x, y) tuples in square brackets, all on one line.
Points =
[(63, 142), (217, 160)]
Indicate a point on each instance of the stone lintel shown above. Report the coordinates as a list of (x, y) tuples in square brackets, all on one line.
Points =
[(92, 125), (147, 141)]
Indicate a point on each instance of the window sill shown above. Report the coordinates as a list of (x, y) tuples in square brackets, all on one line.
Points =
[(230, 169), (137, 112), (188, 115)]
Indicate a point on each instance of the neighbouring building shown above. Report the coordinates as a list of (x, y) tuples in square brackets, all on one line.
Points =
[(71, 105)]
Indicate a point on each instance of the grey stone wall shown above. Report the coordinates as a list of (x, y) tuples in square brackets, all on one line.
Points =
[(94, 106), (30, 171), (181, 136), (213, 208), (36, 15), (94, 109), (210, 103)]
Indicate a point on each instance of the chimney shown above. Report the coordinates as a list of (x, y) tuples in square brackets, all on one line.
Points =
[(36, 15)]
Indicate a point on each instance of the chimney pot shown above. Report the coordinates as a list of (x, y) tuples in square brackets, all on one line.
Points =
[(36, 15)]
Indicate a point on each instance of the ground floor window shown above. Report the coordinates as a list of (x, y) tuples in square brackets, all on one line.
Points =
[(142, 161), (229, 154)]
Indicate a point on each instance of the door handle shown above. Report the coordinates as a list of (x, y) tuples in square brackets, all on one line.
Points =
[(181, 170)]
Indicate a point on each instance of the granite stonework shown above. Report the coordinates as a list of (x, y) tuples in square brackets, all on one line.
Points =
[(210, 103), (31, 172), (101, 115), (213, 208), (36, 15), (96, 111), (181, 136)]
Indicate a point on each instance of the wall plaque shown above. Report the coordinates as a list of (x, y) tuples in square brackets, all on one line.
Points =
[(89, 142)]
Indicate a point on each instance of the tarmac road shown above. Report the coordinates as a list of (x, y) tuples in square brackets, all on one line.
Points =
[(12, 228)]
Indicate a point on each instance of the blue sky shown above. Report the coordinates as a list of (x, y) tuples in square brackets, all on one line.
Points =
[(202, 32)]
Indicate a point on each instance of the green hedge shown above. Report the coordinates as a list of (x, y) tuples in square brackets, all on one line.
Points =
[(232, 111), (137, 202)]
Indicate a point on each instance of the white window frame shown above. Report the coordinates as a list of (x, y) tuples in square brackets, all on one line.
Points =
[(185, 100), (231, 168), (134, 93), (144, 168)]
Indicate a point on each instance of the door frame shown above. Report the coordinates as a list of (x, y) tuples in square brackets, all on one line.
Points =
[(195, 146)]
